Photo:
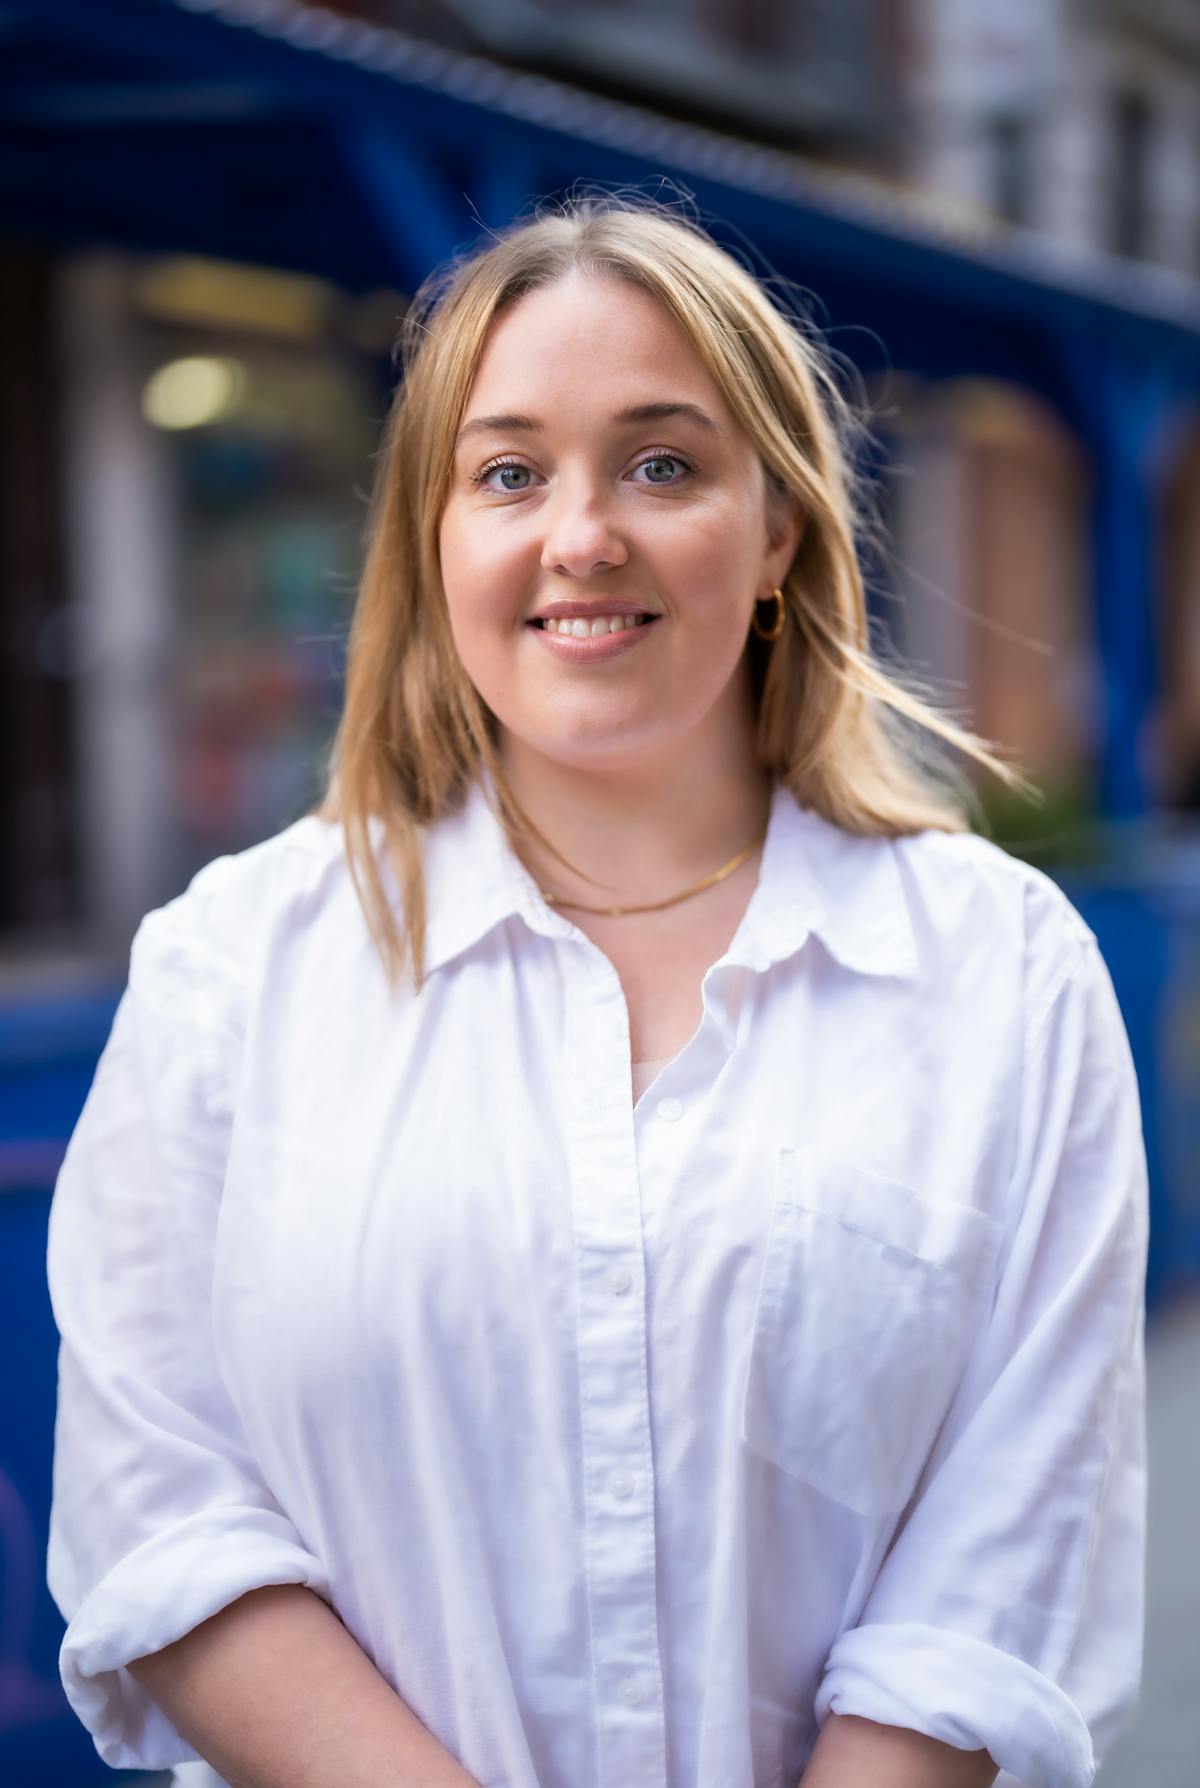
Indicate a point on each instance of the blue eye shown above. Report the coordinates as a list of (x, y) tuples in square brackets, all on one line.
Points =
[(500, 465), (664, 459)]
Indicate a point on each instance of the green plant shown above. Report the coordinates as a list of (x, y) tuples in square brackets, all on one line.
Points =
[(1063, 830)]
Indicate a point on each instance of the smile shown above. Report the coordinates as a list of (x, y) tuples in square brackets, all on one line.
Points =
[(607, 636), (581, 628)]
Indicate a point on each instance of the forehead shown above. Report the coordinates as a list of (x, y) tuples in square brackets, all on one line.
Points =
[(589, 340)]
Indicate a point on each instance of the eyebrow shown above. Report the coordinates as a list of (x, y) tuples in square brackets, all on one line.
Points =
[(510, 423)]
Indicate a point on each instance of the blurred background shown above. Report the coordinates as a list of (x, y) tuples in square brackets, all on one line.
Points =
[(212, 215)]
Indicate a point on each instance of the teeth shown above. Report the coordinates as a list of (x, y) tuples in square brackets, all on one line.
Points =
[(579, 628)]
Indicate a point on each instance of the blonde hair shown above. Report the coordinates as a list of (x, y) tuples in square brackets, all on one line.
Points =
[(856, 739)]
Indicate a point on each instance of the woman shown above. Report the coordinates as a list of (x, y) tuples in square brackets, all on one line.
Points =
[(688, 1329)]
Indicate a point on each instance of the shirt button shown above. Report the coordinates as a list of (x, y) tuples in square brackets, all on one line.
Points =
[(631, 1691), (619, 1278), (669, 1109), (620, 1483)]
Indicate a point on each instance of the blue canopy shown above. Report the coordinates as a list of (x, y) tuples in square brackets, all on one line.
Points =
[(266, 131)]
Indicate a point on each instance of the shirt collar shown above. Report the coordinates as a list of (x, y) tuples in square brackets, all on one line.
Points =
[(815, 879), (819, 880)]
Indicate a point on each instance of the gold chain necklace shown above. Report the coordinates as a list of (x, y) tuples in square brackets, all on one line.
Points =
[(655, 906)]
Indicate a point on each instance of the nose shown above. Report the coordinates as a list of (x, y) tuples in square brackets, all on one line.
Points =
[(581, 535)]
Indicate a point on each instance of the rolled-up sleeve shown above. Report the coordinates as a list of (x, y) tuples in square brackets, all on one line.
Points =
[(1008, 1612), (159, 1516)]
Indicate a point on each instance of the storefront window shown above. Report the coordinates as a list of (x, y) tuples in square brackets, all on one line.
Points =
[(271, 448)]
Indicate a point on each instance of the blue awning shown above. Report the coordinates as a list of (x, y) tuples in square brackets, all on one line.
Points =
[(281, 133), (271, 132)]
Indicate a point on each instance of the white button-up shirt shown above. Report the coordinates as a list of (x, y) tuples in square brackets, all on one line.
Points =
[(627, 1440)]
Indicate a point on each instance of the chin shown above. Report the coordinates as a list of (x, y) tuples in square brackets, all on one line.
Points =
[(608, 757)]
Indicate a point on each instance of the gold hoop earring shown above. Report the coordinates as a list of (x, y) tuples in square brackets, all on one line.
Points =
[(780, 616)]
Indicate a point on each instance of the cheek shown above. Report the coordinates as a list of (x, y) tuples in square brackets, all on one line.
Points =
[(481, 576), (480, 605), (712, 564)]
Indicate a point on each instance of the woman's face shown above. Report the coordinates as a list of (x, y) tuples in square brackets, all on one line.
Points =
[(598, 465)]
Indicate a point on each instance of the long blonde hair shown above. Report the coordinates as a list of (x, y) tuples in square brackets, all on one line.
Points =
[(857, 739)]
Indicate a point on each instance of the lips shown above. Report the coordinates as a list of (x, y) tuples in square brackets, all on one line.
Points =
[(595, 648)]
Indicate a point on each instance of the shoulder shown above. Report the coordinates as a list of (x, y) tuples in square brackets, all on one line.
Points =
[(968, 897), (217, 931)]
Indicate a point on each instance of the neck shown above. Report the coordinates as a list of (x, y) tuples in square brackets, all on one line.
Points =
[(643, 832)]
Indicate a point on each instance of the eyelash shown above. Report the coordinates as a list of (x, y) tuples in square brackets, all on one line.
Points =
[(494, 465)]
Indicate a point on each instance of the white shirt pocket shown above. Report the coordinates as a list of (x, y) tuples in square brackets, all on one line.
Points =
[(867, 1306)]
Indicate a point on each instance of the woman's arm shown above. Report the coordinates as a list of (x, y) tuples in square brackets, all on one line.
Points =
[(274, 1692), (855, 1753)]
